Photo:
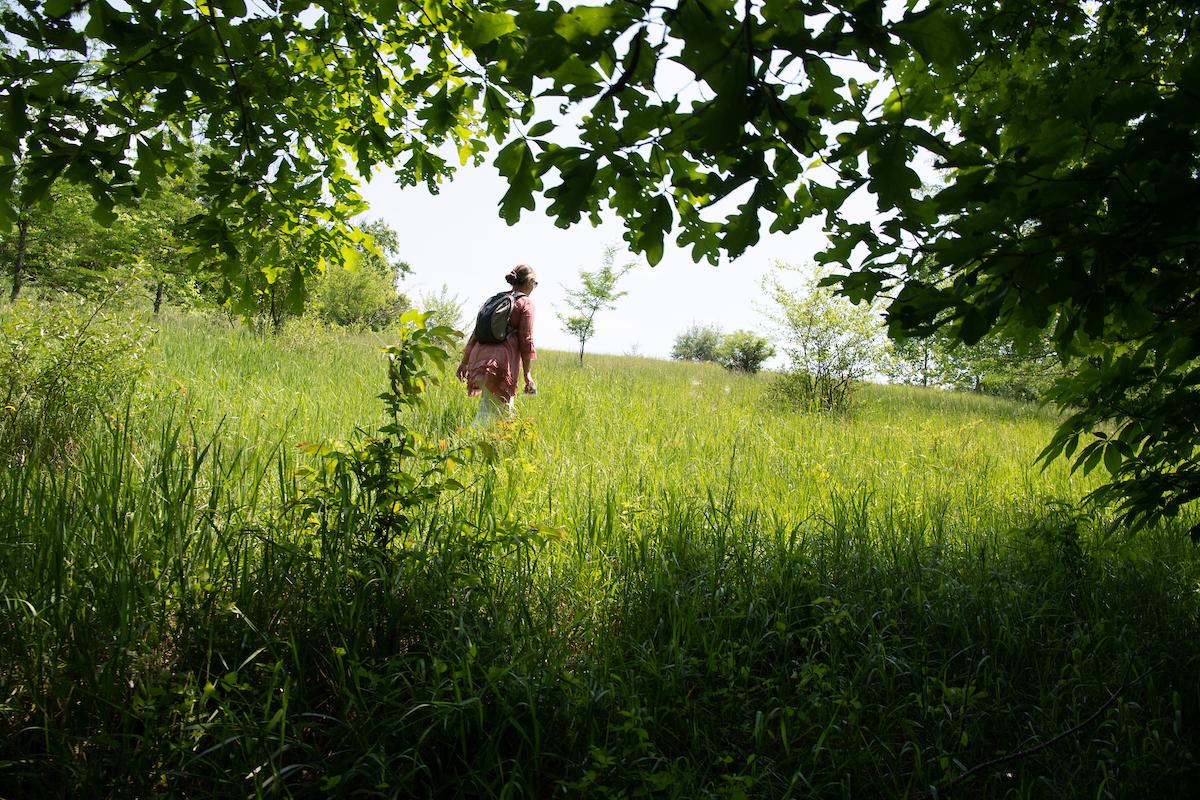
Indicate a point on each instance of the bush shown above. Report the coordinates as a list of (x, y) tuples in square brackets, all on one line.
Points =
[(446, 310), (62, 362), (745, 351), (797, 390), (698, 343), (830, 342), (361, 298)]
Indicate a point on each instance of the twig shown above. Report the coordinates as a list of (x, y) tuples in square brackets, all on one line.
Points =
[(208, 14), (1029, 751), (635, 55)]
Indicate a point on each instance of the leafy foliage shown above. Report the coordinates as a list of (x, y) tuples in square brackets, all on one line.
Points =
[(56, 245), (598, 293), (362, 293), (1061, 215), (698, 343), (62, 364), (581, 327), (744, 351), (382, 481), (830, 342), (361, 299), (381, 253), (991, 366), (916, 362), (293, 101), (445, 308)]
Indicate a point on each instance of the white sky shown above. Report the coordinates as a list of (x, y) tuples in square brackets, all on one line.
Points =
[(457, 239)]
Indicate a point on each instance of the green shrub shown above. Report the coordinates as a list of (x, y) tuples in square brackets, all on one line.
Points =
[(62, 362), (831, 343), (698, 343), (798, 390), (445, 310), (744, 351), (361, 298)]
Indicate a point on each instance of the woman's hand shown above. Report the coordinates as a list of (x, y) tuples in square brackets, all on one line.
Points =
[(530, 386), (461, 372)]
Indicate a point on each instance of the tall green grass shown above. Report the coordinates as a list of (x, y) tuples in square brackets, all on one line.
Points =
[(663, 588)]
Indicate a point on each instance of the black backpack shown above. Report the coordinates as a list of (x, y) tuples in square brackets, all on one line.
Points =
[(491, 324)]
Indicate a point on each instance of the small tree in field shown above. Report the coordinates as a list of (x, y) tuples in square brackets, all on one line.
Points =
[(831, 343), (744, 351), (581, 328), (446, 309), (598, 293), (698, 343)]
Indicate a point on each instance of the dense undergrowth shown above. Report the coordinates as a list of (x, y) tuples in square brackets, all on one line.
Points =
[(654, 587)]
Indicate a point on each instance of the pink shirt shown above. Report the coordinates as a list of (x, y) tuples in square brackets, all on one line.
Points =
[(498, 366)]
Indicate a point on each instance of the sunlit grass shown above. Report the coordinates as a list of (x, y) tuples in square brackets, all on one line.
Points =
[(646, 429)]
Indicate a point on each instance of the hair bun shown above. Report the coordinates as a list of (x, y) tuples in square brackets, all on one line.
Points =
[(519, 275)]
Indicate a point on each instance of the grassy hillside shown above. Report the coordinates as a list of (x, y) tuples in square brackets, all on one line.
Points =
[(646, 429), (663, 587)]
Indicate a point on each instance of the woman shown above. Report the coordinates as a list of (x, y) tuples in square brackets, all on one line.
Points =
[(490, 370)]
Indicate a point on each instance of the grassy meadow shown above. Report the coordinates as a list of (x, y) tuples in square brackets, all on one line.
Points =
[(661, 586)]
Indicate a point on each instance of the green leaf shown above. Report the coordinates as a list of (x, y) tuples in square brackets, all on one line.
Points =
[(1113, 459), (583, 21), (655, 225), (1090, 457), (351, 257), (574, 72), (103, 213), (58, 8), (98, 12), (574, 193), (892, 179), (516, 163), (293, 300), (541, 128), (975, 325), (941, 39), (490, 26)]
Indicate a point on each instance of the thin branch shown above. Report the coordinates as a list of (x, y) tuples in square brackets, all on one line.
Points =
[(631, 64), (237, 84), (1029, 751)]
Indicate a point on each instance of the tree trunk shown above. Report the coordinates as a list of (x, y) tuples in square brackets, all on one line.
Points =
[(158, 297), (22, 246), (276, 312)]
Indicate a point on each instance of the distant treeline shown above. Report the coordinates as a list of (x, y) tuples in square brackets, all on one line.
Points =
[(148, 254)]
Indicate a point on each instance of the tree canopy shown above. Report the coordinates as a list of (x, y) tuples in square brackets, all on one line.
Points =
[(1066, 136)]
